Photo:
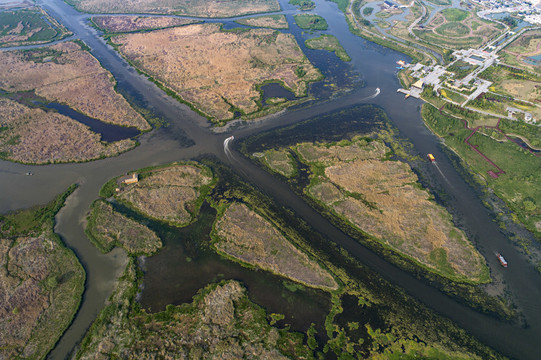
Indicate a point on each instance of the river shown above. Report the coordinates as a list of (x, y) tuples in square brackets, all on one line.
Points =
[(189, 136)]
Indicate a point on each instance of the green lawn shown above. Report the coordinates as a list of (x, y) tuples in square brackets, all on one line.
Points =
[(311, 22), (452, 14), (519, 187), (329, 43)]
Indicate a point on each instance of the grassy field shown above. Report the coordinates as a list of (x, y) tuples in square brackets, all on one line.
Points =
[(268, 21), (303, 5), (29, 26), (510, 81), (311, 22), (329, 43), (518, 51), (107, 228), (518, 187), (456, 29), (42, 282), (452, 14), (199, 8)]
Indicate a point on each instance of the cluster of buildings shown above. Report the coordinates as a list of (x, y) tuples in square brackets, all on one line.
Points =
[(530, 10)]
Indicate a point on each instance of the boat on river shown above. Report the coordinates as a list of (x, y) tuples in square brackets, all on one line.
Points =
[(502, 260), (431, 158)]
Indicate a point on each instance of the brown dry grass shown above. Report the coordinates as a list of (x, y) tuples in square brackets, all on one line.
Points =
[(200, 8), (109, 228), (270, 21), (69, 75), (383, 199), (215, 70), (37, 136), (245, 235), (167, 194), (120, 24)]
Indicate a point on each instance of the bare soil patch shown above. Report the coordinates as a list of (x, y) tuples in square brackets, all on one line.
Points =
[(122, 24), (218, 71), (245, 235)]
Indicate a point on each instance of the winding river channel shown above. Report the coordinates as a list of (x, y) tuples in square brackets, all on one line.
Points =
[(189, 136)]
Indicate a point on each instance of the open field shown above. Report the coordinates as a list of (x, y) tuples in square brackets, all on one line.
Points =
[(123, 24), (518, 185), (268, 21), (245, 235), (311, 22), (29, 26), (68, 74), (200, 8), (383, 199), (107, 228), (280, 161), (303, 5), (522, 50), (41, 282), (220, 73), (172, 194), (514, 82), (329, 43), (35, 136), (457, 29)]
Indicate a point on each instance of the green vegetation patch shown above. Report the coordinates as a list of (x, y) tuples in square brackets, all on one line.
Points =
[(311, 22), (42, 282), (107, 228), (29, 26), (221, 321), (367, 11), (303, 4), (441, 2), (281, 162), (452, 14), (329, 43), (453, 30), (518, 186)]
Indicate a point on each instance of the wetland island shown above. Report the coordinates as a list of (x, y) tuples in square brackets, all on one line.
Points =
[(250, 179)]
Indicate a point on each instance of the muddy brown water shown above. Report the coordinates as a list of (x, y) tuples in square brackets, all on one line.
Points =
[(189, 137)]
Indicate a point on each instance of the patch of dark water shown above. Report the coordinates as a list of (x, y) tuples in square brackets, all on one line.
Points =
[(186, 264), (336, 126), (108, 132), (523, 144), (275, 90)]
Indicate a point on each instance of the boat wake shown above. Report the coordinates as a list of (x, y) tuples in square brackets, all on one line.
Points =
[(227, 151), (376, 93), (441, 172)]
